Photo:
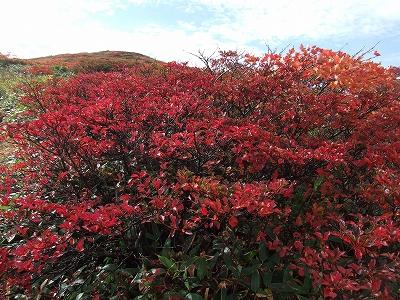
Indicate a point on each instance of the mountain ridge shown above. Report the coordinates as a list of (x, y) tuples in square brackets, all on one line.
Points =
[(70, 59), (114, 57)]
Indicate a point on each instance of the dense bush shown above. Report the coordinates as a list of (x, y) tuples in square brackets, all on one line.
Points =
[(273, 177), (92, 66), (62, 71)]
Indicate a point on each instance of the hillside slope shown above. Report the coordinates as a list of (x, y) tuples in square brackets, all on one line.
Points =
[(120, 57)]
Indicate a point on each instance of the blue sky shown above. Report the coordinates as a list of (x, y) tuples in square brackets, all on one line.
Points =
[(171, 29)]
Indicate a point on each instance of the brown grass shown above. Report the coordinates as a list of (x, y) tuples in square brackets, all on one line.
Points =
[(6, 150), (113, 57)]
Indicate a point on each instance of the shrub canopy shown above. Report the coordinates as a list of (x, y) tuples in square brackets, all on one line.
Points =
[(256, 177)]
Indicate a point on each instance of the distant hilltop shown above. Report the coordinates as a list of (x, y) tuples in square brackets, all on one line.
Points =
[(89, 61), (122, 57)]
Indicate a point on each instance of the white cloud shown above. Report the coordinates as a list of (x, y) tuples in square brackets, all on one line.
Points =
[(31, 28), (43, 27), (286, 19)]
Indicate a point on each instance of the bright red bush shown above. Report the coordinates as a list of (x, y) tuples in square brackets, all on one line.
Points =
[(39, 70), (255, 177)]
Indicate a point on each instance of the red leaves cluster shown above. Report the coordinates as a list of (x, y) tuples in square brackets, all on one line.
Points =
[(304, 147)]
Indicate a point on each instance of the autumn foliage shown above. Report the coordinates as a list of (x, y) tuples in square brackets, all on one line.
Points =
[(255, 177), (103, 61)]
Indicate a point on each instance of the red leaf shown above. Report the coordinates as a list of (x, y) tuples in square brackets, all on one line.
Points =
[(204, 211), (79, 245), (125, 197), (233, 222), (376, 285)]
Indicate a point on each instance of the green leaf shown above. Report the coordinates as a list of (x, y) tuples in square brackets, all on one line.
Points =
[(296, 288), (250, 270), (255, 281), (211, 262), (166, 261), (156, 231), (267, 279), (167, 248), (185, 280), (110, 267), (286, 275), (273, 261), (227, 256), (79, 296), (307, 281), (201, 265), (44, 283), (318, 182), (195, 249), (263, 252), (223, 294), (249, 255), (193, 296)]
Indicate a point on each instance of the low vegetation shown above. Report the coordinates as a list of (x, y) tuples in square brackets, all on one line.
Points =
[(272, 177)]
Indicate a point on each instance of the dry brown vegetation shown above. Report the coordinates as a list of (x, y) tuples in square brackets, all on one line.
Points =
[(6, 151), (113, 58)]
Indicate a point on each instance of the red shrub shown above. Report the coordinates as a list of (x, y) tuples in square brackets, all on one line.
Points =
[(273, 175), (39, 70)]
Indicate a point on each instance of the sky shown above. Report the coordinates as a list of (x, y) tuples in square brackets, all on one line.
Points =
[(171, 30)]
